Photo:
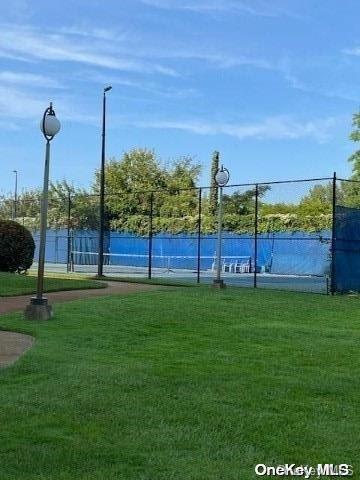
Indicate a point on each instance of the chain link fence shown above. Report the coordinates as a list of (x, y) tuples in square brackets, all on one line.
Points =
[(299, 235)]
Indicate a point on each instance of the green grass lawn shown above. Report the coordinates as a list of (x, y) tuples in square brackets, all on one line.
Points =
[(12, 284), (183, 384)]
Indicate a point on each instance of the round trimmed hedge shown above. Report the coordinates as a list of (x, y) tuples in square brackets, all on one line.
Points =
[(17, 247)]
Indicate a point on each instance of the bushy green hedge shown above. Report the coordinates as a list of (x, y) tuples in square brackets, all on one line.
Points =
[(241, 224), (17, 247)]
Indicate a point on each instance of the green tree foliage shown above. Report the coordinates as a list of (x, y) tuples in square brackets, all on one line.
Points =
[(317, 202), (84, 212), (129, 183), (354, 159), (243, 203), (6, 207), (139, 174), (313, 213), (27, 208), (351, 190), (351, 193), (84, 208), (181, 197)]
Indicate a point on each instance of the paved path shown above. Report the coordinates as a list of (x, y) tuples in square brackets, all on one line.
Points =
[(13, 345), (13, 304)]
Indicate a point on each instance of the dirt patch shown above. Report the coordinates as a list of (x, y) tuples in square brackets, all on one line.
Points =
[(12, 346)]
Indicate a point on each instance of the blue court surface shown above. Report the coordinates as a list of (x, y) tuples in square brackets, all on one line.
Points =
[(301, 283)]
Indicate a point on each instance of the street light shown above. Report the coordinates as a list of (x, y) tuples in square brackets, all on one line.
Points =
[(38, 309), (221, 178), (15, 195), (102, 189)]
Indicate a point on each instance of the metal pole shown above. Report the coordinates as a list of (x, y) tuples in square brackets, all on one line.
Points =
[(333, 239), (219, 240), (72, 264), (256, 233), (43, 225), (199, 238), (150, 235), (15, 194), (38, 309), (68, 234), (102, 194)]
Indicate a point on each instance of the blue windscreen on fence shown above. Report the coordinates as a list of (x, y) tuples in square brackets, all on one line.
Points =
[(301, 253), (347, 249), (283, 253), (56, 246)]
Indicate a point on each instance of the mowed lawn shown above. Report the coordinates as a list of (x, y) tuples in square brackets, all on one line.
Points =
[(12, 284), (183, 384)]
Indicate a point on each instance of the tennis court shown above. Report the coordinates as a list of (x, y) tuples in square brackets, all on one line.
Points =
[(266, 241), (305, 283)]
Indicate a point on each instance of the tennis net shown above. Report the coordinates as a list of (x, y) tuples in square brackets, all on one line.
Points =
[(138, 263)]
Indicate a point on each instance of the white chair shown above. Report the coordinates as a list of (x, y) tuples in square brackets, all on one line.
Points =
[(241, 267), (226, 266)]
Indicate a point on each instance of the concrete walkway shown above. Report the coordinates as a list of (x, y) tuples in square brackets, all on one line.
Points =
[(13, 345), (13, 304)]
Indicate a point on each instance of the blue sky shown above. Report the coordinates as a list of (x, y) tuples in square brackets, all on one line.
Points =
[(271, 84)]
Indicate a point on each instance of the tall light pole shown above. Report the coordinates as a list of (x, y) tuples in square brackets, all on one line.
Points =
[(15, 195), (102, 189), (221, 178), (39, 309)]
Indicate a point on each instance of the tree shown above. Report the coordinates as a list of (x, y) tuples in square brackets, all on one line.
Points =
[(181, 196), (354, 159), (129, 180), (351, 193), (318, 201), (128, 187), (83, 212), (243, 203), (351, 190), (28, 208), (84, 207)]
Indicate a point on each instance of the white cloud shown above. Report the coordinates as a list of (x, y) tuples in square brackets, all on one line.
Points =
[(220, 60), (98, 33), (18, 104), (32, 44), (274, 128), (145, 86), (28, 79), (202, 6), (15, 103), (317, 83), (10, 126), (352, 51)]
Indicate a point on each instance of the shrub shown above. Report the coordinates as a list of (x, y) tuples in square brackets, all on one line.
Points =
[(16, 247)]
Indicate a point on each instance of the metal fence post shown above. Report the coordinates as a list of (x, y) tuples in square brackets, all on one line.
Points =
[(256, 233), (199, 238), (68, 266), (150, 235), (333, 239)]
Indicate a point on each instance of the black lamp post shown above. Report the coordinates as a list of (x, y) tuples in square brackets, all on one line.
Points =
[(102, 189), (38, 309)]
